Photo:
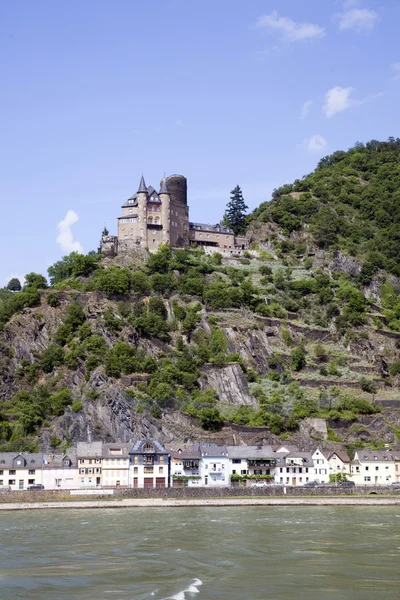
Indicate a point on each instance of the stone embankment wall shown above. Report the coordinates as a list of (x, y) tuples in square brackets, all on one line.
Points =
[(189, 493)]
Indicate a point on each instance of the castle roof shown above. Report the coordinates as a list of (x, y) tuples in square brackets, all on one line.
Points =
[(142, 186), (152, 196), (164, 187), (218, 228)]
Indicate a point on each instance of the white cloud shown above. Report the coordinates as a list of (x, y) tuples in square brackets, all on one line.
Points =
[(338, 99), (65, 237), (305, 109), (315, 143), (396, 69), (361, 20), (289, 30)]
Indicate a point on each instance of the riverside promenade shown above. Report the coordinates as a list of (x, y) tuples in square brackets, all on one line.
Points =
[(204, 502)]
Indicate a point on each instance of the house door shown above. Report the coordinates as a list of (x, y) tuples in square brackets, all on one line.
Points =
[(160, 482), (21, 484), (97, 480), (135, 482), (293, 480), (148, 482), (205, 479)]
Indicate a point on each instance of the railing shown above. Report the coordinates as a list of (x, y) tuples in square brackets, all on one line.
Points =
[(154, 226)]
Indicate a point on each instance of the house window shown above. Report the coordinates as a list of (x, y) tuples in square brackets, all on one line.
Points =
[(161, 460), (161, 470), (31, 481), (82, 480), (376, 468), (31, 472), (135, 470), (148, 448), (11, 482), (136, 460), (1, 481), (12, 472), (236, 461), (1, 472), (82, 461), (367, 468), (148, 470), (82, 471), (367, 478), (244, 472)]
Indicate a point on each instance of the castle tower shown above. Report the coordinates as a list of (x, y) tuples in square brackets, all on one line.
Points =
[(165, 211), (179, 211), (142, 212)]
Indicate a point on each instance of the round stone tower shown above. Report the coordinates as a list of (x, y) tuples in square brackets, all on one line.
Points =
[(177, 185)]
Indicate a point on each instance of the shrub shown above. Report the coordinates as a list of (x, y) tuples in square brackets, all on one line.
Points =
[(287, 338), (140, 283), (114, 280), (298, 359), (53, 300), (211, 419), (368, 385), (77, 406), (112, 322), (394, 369), (51, 357)]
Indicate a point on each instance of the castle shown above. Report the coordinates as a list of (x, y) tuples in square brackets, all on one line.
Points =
[(150, 218)]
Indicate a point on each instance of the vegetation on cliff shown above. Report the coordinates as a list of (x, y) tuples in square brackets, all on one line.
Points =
[(268, 339), (350, 202)]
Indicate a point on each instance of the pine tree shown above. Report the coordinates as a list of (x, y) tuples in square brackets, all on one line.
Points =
[(235, 214)]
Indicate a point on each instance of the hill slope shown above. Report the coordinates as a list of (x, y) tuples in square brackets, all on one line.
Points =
[(181, 345), (350, 202)]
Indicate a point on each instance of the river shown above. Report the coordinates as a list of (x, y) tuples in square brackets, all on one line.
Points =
[(249, 553)]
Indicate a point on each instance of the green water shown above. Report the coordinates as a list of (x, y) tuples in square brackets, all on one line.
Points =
[(249, 553)]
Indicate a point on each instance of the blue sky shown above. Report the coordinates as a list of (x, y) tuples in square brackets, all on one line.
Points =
[(95, 93)]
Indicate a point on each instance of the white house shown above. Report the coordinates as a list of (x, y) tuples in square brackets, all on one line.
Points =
[(321, 466), (294, 468), (89, 464), (60, 471), (374, 467), (184, 465), (18, 471), (214, 465), (250, 462), (115, 465), (339, 462)]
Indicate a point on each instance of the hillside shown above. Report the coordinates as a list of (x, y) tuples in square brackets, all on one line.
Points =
[(184, 345), (350, 202)]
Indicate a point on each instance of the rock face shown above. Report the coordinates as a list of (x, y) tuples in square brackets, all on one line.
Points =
[(229, 383), (315, 427)]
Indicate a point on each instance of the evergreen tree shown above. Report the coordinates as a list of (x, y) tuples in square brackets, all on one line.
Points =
[(235, 214), (14, 285)]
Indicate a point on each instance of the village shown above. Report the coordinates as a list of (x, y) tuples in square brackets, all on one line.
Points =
[(149, 464)]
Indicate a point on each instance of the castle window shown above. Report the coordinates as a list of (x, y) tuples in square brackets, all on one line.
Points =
[(157, 220), (130, 211), (149, 219)]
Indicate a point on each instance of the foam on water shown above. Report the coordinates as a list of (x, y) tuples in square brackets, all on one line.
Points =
[(192, 589)]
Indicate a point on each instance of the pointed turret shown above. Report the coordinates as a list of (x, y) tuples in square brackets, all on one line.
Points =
[(164, 187), (142, 186)]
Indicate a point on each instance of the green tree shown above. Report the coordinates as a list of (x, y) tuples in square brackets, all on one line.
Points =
[(35, 281), (14, 285), (211, 419), (235, 213)]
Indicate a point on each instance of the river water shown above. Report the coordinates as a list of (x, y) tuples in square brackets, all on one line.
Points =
[(247, 553)]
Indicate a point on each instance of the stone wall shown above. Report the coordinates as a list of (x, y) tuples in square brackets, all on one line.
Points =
[(203, 492)]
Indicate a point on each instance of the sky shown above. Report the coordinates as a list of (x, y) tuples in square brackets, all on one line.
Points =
[(95, 93)]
